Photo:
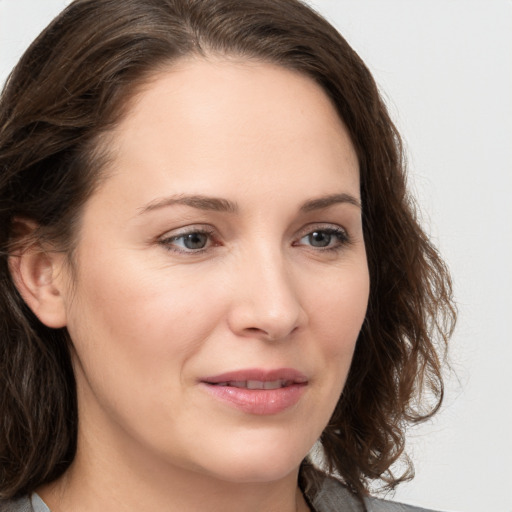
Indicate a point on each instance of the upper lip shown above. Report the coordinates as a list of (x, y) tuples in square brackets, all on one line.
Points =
[(257, 374)]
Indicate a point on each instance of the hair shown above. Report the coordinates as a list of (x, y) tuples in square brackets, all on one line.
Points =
[(73, 85)]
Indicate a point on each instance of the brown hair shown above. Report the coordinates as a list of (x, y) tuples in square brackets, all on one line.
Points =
[(72, 86)]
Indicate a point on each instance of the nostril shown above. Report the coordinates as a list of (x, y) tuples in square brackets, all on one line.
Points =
[(258, 332), (270, 334)]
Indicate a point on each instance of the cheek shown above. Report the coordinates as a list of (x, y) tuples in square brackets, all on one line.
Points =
[(135, 332), (336, 316), (339, 306), (140, 320)]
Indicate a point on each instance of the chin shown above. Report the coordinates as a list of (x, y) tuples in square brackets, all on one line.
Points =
[(260, 463), (257, 473)]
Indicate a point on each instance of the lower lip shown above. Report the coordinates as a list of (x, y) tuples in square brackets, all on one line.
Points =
[(258, 401)]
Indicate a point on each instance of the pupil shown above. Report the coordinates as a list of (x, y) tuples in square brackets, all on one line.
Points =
[(320, 239), (195, 241)]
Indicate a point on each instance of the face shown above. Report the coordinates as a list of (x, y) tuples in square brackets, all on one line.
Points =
[(220, 277)]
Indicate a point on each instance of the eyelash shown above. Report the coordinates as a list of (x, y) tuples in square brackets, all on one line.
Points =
[(339, 233)]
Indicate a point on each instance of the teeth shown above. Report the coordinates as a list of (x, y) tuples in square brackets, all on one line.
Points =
[(276, 384), (255, 384)]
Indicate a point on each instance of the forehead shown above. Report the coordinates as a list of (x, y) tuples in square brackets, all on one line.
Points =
[(213, 124)]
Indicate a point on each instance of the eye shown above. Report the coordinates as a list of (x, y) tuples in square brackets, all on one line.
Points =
[(193, 241), (325, 238)]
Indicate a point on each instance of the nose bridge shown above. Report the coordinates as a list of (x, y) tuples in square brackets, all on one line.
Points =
[(267, 303)]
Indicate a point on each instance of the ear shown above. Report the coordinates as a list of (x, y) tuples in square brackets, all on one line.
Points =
[(39, 277)]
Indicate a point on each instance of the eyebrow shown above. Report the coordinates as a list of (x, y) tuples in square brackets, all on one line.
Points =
[(200, 202), (326, 201), (218, 204)]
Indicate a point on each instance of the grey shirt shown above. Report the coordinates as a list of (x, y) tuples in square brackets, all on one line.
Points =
[(335, 497)]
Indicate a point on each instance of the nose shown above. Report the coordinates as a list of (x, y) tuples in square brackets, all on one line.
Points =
[(266, 301)]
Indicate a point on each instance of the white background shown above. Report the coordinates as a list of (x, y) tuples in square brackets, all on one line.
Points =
[(445, 67)]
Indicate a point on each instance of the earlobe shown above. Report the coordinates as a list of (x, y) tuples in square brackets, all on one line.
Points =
[(37, 276)]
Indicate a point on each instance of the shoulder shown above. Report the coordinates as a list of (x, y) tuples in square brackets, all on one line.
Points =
[(20, 505), (378, 505), (333, 496), (32, 503)]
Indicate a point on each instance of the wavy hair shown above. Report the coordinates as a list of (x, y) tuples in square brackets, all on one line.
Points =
[(73, 85)]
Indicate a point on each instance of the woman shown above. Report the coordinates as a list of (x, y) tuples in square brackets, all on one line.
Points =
[(209, 263)]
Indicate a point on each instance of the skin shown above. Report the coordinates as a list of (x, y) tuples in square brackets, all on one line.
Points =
[(149, 317)]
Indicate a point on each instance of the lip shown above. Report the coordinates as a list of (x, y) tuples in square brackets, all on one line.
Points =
[(257, 401)]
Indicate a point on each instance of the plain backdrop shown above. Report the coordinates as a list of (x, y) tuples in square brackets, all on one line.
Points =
[(445, 69)]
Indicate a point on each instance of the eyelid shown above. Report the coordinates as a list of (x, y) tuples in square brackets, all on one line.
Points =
[(186, 230), (322, 226)]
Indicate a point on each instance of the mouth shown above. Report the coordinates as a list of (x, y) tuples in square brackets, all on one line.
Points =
[(255, 384), (258, 392)]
